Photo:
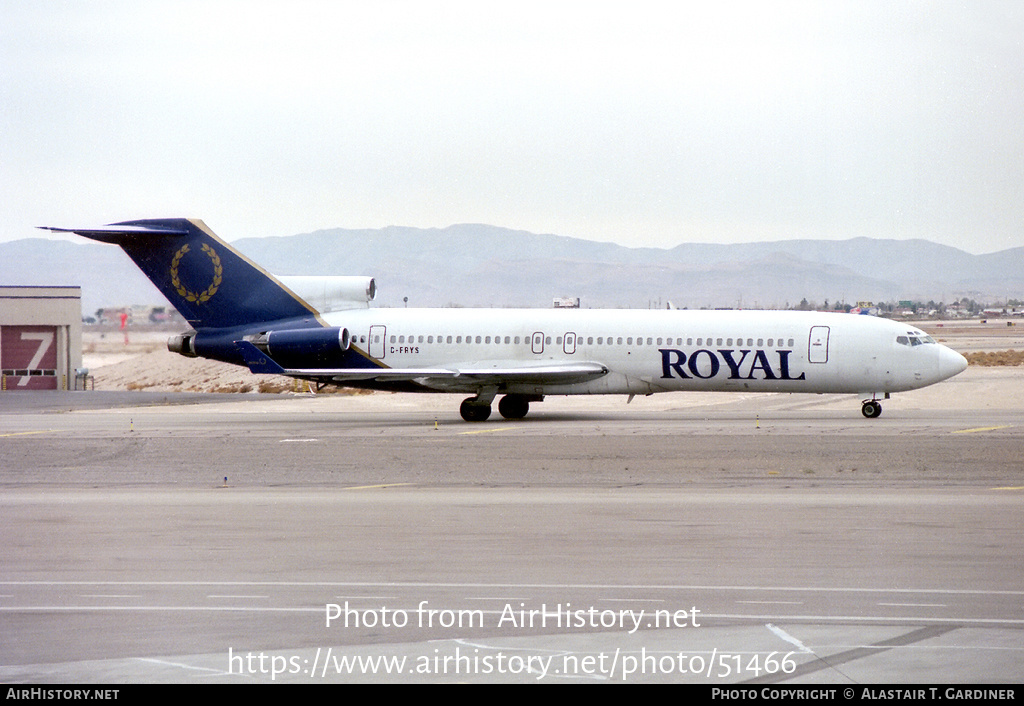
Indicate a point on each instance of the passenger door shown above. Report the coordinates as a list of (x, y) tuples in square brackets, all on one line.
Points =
[(376, 342), (817, 346)]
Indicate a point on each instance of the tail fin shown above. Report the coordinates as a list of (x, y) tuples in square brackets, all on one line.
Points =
[(210, 283)]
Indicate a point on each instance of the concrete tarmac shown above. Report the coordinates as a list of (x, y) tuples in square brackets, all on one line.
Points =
[(714, 538)]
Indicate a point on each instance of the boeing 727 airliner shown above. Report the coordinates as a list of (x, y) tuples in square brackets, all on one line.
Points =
[(322, 329)]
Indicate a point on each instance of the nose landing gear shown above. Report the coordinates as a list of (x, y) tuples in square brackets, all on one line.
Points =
[(871, 409)]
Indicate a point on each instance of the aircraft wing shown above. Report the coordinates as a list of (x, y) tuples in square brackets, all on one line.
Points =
[(455, 376), (551, 373)]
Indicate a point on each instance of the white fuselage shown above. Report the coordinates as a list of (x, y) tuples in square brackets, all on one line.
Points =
[(649, 351), (321, 329)]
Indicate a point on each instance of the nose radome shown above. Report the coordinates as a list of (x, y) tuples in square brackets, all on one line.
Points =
[(950, 362)]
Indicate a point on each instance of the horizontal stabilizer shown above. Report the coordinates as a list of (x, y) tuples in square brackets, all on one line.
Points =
[(116, 233)]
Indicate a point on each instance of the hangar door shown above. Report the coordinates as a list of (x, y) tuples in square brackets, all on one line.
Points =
[(28, 357)]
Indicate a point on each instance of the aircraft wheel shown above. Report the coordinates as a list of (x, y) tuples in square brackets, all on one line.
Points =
[(473, 412), (871, 409), (513, 407)]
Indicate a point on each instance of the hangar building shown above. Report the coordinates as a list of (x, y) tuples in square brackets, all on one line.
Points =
[(40, 337)]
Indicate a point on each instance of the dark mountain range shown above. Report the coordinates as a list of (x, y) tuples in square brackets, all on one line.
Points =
[(481, 265)]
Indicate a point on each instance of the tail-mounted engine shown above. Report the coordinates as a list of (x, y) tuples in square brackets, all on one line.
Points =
[(304, 348), (183, 343), (327, 293)]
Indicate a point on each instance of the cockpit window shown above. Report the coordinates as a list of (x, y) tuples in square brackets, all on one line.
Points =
[(914, 338)]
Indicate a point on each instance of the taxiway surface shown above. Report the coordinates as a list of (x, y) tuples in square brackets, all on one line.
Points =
[(694, 538)]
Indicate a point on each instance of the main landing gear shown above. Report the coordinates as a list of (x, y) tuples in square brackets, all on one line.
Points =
[(473, 411), (478, 409)]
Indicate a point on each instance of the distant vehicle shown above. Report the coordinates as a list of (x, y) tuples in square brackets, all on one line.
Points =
[(322, 329)]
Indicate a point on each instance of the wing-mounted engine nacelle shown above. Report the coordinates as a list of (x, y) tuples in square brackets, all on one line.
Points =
[(183, 343), (305, 348)]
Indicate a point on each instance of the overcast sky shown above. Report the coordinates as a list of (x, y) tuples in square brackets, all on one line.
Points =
[(643, 123)]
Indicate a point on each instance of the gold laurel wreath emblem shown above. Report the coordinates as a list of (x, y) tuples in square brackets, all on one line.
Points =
[(218, 276)]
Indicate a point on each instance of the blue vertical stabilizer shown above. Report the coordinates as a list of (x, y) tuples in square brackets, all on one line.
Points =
[(210, 283)]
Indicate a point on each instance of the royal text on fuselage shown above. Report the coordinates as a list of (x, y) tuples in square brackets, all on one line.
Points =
[(747, 364)]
